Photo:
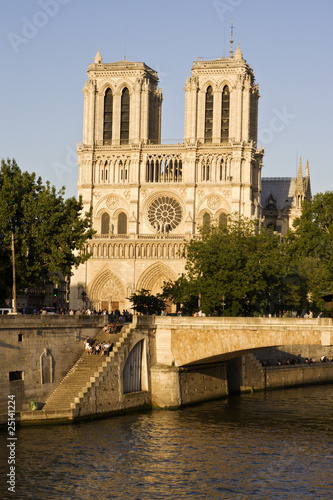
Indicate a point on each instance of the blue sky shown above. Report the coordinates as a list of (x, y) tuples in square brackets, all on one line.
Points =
[(47, 45)]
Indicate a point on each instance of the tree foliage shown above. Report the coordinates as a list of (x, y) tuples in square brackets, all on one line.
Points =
[(245, 265), (49, 231), (146, 303), (310, 246)]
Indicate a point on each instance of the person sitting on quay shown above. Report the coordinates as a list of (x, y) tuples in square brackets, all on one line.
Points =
[(106, 349), (117, 327), (97, 348)]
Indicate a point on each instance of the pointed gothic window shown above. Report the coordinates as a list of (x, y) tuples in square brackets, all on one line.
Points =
[(223, 219), (205, 170), (206, 220), (122, 223), (222, 170), (125, 117), (105, 229), (108, 109), (209, 115), (225, 114)]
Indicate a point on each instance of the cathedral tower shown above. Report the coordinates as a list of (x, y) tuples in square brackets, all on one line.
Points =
[(147, 197)]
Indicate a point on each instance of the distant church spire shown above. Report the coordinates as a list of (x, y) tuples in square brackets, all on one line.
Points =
[(307, 185), (307, 169), (300, 173), (232, 40)]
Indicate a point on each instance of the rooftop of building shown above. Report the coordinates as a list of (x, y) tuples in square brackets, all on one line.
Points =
[(279, 190)]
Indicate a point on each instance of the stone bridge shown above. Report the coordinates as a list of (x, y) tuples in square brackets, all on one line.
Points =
[(191, 353), (183, 341)]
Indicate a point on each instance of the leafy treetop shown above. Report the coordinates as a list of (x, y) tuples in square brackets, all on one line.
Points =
[(49, 231)]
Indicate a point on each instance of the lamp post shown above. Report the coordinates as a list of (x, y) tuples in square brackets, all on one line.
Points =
[(223, 304), (83, 296), (199, 300), (14, 276)]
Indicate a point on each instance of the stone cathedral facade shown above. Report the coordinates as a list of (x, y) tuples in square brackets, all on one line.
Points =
[(149, 198)]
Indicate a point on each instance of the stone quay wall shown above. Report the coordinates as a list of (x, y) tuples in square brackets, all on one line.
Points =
[(246, 373), (37, 352)]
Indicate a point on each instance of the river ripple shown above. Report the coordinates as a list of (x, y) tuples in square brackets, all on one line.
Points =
[(277, 445)]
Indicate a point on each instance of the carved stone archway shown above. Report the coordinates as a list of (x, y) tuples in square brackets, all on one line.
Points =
[(107, 292), (152, 279)]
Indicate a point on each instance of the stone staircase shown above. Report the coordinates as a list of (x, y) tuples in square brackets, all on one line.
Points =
[(88, 371)]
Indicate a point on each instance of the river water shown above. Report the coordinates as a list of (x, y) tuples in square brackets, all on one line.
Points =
[(277, 445)]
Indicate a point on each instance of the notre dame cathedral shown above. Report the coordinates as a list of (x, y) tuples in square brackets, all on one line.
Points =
[(149, 198)]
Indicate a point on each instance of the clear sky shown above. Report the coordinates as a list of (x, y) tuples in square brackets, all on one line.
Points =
[(47, 45)]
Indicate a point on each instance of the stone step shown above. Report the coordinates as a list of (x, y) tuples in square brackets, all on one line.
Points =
[(88, 370)]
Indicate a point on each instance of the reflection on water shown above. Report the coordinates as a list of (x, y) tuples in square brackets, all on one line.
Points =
[(277, 445)]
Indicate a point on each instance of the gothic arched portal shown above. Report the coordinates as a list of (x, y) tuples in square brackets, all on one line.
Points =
[(154, 277), (106, 292)]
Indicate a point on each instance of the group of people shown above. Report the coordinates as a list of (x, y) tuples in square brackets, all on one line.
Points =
[(113, 327), (325, 359), (98, 348), (103, 348), (297, 361)]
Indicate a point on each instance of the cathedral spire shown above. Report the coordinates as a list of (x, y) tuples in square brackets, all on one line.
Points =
[(307, 170), (307, 185), (300, 172)]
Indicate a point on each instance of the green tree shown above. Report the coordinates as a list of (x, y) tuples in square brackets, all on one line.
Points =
[(49, 231), (246, 265), (146, 303), (181, 292), (310, 247)]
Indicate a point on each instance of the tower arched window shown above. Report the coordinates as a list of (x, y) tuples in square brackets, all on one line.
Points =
[(205, 170), (225, 114), (209, 115), (206, 220), (223, 219), (122, 223), (108, 110), (125, 117), (105, 226), (222, 170)]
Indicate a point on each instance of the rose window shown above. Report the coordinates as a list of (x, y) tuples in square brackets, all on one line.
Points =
[(112, 202), (164, 214)]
